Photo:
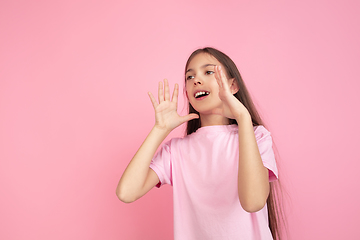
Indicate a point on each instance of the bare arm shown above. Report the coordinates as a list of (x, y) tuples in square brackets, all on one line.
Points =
[(253, 177), (138, 178)]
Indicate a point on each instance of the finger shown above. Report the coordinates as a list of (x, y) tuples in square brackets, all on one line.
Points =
[(161, 92), (223, 77), (153, 100), (167, 90), (217, 76), (175, 93)]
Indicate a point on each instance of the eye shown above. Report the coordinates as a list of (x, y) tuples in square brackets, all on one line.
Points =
[(189, 77), (209, 72)]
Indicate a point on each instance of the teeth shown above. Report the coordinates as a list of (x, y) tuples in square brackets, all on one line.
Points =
[(201, 93)]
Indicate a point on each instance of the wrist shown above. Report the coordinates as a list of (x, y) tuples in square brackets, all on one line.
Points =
[(244, 117), (161, 130)]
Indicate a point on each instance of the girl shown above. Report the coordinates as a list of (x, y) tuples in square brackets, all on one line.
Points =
[(220, 171)]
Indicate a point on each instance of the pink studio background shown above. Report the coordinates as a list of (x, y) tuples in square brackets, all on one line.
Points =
[(74, 77)]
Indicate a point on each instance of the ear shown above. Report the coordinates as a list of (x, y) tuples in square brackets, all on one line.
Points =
[(234, 87)]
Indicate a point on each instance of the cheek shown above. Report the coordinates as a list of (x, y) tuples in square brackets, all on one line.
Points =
[(186, 91)]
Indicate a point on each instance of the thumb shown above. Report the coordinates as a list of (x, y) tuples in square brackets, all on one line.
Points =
[(189, 117)]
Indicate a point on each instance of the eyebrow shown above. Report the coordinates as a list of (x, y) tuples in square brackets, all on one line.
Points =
[(204, 66)]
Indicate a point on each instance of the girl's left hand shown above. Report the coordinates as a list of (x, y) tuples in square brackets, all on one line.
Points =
[(231, 107)]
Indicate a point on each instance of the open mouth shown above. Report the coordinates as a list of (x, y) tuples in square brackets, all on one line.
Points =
[(201, 94)]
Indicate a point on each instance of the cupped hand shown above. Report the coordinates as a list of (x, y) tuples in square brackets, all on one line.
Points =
[(231, 107), (166, 115)]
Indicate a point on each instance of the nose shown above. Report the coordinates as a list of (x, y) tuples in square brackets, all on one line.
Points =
[(197, 81)]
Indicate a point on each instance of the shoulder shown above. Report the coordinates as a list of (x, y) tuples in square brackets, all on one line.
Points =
[(175, 142), (261, 133)]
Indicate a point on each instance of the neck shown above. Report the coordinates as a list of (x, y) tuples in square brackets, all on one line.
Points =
[(213, 119)]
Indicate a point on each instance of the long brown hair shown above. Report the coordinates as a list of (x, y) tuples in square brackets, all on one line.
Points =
[(274, 210)]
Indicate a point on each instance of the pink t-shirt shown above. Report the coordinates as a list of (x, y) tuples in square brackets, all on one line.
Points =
[(203, 170)]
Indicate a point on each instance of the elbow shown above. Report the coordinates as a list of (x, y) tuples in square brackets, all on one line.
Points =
[(252, 206), (124, 197), (253, 201)]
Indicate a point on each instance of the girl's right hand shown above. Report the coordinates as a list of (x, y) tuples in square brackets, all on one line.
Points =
[(166, 115)]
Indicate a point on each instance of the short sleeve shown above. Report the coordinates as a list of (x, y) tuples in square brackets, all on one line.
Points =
[(161, 164), (264, 141)]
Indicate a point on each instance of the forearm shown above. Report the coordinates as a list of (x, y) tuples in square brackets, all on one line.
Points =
[(253, 177), (133, 179)]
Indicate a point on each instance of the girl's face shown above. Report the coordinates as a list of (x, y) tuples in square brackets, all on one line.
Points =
[(202, 89)]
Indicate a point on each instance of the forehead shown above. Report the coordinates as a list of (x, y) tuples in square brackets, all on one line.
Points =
[(201, 59)]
